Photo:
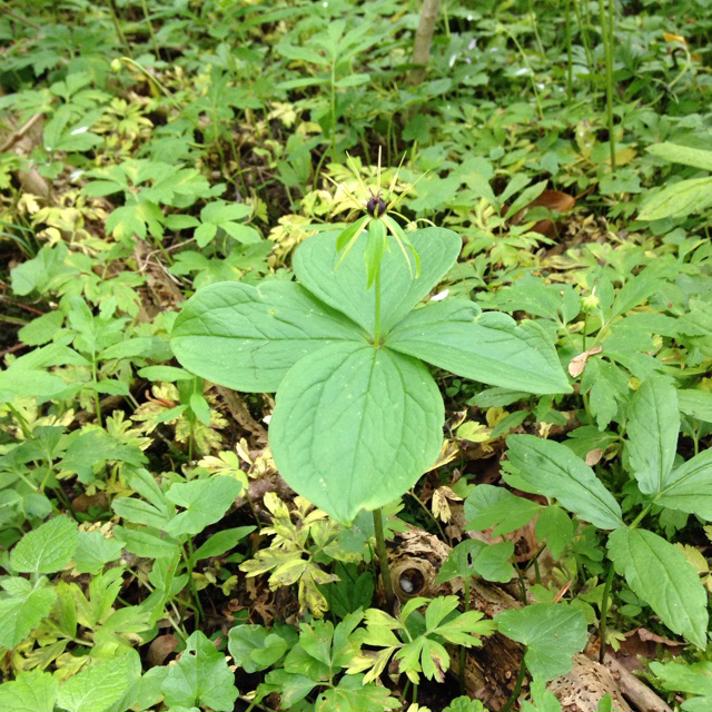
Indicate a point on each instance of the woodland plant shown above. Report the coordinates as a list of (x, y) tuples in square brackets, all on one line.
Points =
[(358, 416)]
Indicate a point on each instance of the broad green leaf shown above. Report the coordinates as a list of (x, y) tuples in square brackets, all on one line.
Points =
[(696, 403), (29, 383), (678, 200), (32, 691), (693, 679), (93, 551), (221, 542), (205, 502), (344, 288), (100, 685), (47, 549), (22, 612), (552, 632), (496, 508), (659, 573), (248, 337), (695, 157), (143, 542), (486, 347), (653, 426), (200, 678), (354, 427), (689, 487), (549, 468)]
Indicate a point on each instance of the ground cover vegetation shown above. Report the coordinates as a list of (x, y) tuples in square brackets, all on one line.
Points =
[(355, 356)]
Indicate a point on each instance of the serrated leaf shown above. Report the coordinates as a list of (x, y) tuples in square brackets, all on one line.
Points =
[(22, 612), (659, 573), (200, 677), (355, 426), (100, 685), (31, 691), (351, 695), (248, 337), (552, 632), (345, 288), (548, 468), (652, 429), (47, 549), (486, 347)]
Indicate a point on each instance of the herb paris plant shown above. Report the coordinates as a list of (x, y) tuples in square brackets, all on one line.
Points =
[(358, 416)]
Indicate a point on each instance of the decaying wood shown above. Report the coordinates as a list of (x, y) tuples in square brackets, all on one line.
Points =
[(640, 695), (581, 689), (491, 670)]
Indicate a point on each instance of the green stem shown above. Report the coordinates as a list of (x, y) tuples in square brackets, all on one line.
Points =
[(383, 557), (332, 137), (152, 34), (466, 605), (188, 559), (377, 308), (607, 24), (95, 381), (569, 53), (604, 613), (114, 11), (517, 688), (640, 517)]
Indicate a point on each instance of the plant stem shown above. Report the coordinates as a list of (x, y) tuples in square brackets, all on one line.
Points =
[(466, 605), (604, 613), (640, 517), (517, 687), (114, 11), (377, 308), (607, 24), (152, 34), (569, 54), (383, 557)]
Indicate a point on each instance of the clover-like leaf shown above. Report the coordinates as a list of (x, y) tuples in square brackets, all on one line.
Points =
[(354, 427)]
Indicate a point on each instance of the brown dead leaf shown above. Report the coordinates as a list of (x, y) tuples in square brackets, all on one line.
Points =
[(578, 363), (593, 457)]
